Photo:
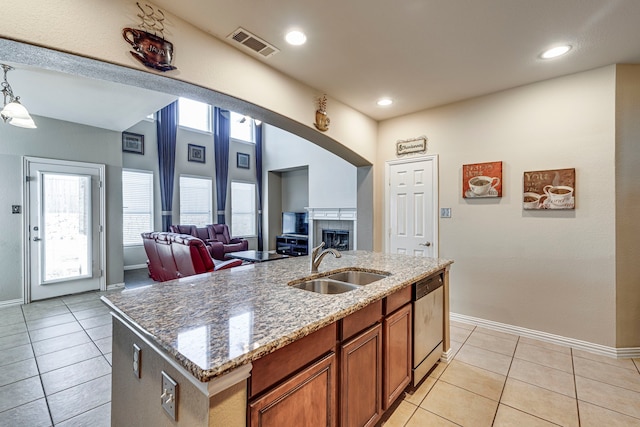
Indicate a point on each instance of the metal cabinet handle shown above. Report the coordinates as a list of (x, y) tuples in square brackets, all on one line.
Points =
[(425, 244)]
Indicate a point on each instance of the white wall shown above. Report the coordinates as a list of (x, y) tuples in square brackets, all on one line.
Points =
[(332, 180), (551, 271), (56, 139)]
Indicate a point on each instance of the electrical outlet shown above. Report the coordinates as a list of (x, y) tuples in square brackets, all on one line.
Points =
[(16, 209), (169, 397), (137, 353), (445, 212)]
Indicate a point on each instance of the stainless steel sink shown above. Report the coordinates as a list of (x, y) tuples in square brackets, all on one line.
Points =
[(337, 283), (356, 277), (325, 286)]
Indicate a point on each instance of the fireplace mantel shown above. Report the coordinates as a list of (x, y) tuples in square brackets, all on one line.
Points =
[(319, 215)]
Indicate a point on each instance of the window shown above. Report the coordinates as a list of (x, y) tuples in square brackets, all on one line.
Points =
[(194, 114), (241, 127), (196, 201), (243, 209), (137, 205)]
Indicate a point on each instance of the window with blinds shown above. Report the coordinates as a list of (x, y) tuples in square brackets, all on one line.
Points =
[(243, 209), (196, 201), (137, 205)]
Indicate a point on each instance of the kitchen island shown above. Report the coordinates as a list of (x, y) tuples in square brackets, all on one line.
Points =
[(205, 333)]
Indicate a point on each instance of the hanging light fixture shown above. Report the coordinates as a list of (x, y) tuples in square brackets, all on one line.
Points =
[(13, 111)]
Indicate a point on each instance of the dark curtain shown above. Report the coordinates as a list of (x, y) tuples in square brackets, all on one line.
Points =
[(166, 126), (257, 130), (221, 148)]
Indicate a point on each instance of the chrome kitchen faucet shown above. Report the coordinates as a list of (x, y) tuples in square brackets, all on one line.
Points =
[(317, 258)]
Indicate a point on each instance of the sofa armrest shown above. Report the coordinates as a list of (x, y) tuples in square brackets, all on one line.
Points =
[(216, 249), (227, 264)]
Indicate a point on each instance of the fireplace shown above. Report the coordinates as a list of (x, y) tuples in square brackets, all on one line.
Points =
[(337, 239), (337, 227)]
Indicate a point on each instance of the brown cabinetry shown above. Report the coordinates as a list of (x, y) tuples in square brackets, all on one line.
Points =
[(397, 354), (306, 399), (361, 379)]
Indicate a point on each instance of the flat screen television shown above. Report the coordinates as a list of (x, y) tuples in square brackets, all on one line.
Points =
[(295, 223)]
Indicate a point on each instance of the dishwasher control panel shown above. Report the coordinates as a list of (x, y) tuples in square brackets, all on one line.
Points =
[(426, 286)]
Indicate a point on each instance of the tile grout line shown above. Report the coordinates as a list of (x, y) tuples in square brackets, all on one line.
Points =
[(575, 386), (35, 359), (506, 377)]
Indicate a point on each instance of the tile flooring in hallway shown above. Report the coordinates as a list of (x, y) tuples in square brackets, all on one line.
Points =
[(55, 369)]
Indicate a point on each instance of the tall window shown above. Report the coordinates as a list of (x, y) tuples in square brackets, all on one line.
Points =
[(243, 209), (137, 205), (194, 114), (241, 127), (196, 201)]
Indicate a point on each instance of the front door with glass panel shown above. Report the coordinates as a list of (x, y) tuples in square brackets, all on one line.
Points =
[(64, 227)]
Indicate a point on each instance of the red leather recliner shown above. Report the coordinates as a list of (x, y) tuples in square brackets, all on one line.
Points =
[(172, 256), (201, 233), (222, 243)]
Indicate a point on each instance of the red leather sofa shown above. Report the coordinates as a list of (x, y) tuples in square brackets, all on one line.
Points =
[(172, 256)]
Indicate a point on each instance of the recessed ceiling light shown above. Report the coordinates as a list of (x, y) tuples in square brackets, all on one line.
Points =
[(383, 102), (555, 52), (295, 37)]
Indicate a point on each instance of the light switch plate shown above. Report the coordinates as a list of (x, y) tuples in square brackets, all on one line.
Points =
[(137, 353), (445, 212), (169, 397)]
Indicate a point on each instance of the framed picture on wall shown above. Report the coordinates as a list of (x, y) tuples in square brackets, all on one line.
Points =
[(196, 153), (132, 143), (243, 160), (549, 189), (482, 180)]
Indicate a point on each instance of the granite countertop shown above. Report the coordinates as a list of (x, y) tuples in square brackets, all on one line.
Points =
[(213, 323)]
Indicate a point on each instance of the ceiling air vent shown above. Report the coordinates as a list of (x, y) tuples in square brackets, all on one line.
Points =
[(253, 42)]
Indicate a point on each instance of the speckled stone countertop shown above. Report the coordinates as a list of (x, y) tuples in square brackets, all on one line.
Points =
[(215, 322)]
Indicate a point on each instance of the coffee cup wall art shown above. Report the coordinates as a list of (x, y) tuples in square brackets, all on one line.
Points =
[(549, 189), (481, 180), (148, 42)]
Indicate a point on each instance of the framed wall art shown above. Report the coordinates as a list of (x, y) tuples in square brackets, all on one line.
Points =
[(482, 180), (242, 160), (132, 143), (549, 189), (196, 153)]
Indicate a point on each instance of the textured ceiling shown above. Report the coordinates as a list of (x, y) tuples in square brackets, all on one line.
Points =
[(425, 53)]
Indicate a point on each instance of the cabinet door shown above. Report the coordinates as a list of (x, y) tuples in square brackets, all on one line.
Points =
[(361, 379), (306, 399), (397, 354)]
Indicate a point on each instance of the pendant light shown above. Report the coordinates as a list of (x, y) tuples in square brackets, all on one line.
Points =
[(13, 112)]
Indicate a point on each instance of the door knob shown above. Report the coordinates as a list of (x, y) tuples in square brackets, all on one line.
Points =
[(425, 244), (36, 239)]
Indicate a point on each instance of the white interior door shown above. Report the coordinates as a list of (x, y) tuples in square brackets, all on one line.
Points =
[(64, 228), (412, 207)]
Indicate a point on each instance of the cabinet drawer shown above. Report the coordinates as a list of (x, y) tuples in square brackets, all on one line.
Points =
[(360, 320), (274, 367), (397, 300)]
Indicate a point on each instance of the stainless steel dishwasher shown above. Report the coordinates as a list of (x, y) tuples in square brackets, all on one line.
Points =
[(428, 325)]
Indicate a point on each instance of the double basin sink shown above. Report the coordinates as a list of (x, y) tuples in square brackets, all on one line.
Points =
[(343, 281)]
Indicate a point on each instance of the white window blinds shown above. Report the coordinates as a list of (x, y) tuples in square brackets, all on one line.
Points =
[(137, 205), (243, 209), (196, 201)]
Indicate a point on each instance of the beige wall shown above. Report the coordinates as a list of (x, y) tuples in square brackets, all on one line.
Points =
[(627, 206), (92, 28), (552, 271)]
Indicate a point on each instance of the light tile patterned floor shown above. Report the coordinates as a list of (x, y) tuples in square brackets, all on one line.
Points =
[(55, 369), (498, 379)]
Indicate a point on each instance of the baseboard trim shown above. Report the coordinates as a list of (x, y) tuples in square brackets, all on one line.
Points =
[(134, 267), (618, 353), (11, 302)]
